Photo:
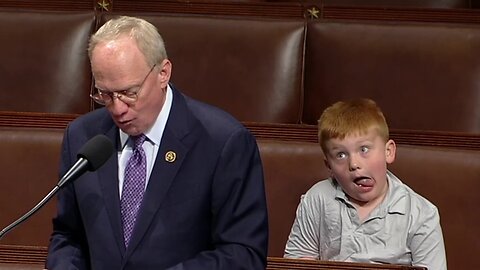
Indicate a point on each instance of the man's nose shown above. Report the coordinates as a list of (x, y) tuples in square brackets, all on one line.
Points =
[(117, 107)]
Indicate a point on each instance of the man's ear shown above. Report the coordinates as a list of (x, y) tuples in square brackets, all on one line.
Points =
[(390, 151), (165, 72)]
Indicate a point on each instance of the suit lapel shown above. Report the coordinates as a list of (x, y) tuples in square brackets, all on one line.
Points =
[(108, 178), (177, 139), (162, 176)]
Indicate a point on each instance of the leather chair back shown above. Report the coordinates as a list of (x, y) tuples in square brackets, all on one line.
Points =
[(249, 67), (44, 65), (424, 76)]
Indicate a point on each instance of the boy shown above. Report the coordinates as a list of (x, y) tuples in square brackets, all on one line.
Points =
[(364, 213)]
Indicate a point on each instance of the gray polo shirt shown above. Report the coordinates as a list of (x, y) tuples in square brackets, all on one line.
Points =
[(403, 229)]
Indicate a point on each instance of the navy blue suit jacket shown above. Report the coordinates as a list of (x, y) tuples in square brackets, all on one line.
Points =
[(205, 210)]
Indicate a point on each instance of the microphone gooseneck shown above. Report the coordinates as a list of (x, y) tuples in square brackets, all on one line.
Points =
[(91, 156)]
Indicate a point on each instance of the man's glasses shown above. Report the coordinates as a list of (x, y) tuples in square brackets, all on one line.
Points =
[(128, 96)]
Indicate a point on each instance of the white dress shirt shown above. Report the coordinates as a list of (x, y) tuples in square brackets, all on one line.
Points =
[(151, 144)]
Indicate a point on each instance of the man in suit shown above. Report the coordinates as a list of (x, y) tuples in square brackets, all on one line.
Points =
[(185, 188)]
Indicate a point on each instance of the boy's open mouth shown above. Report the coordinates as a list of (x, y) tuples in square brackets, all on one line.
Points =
[(364, 181)]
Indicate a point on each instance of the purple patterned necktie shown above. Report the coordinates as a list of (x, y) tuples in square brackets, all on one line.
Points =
[(133, 186)]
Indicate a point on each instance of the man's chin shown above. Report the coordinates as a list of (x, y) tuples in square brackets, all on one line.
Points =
[(129, 129)]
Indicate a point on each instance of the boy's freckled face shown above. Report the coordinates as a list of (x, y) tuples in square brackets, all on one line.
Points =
[(358, 162)]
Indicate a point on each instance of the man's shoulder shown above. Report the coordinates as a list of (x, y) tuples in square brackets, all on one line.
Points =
[(211, 113), (214, 119), (92, 119), (93, 115)]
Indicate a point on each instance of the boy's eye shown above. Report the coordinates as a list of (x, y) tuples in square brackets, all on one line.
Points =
[(364, 149), (341, 155)]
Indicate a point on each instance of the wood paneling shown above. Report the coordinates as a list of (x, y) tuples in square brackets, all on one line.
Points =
[(278, 9), (66, 5), (402, 14)]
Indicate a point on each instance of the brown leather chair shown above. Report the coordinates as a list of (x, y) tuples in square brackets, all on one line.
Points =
[(251, 67), (29, 160), (44, 65), (424, 76), (449, 178), (290, 169)]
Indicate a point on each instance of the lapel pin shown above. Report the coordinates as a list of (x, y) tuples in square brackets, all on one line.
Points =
[(170, 156)]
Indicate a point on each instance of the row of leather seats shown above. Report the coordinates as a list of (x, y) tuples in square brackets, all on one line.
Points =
[(447, 177), (263, 71), (287, 71)]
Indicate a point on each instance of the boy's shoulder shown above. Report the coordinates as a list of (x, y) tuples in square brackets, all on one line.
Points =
[(404, 196), (323, 190), (325, 186)]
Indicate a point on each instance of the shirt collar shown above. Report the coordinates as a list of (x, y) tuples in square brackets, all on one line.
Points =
[(393, 202)]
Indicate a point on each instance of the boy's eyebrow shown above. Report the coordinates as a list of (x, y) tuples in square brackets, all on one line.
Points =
[(365, 141), (336, 147)]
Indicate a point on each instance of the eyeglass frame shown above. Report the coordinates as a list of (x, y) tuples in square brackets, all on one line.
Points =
[(127, 96)]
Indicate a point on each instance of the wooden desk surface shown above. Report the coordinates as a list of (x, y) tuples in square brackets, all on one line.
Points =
[(273, 264), (16, 266), (289, 264)]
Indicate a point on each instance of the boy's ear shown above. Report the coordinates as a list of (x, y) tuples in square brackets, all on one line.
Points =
[(390, 150), (326, 163)]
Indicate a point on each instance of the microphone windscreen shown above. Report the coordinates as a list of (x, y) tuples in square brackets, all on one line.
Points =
[(96, 151)]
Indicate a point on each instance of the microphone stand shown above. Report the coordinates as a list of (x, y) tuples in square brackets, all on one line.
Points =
[(76, 170), (31, 212), (98, 150)]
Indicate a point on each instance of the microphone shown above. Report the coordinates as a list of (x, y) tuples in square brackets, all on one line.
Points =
[(90, 157)]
